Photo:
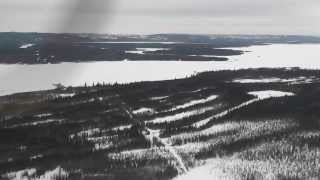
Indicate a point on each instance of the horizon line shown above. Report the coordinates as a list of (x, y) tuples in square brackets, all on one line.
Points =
[(164, 33)]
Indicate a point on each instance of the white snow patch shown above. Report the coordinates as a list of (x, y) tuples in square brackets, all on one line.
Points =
[(43, 115), (195, 102), (181, 115), (66, 95), (208, 56), (143, 50), (30, 174), (134, 151), (102, 145), (89, 132), (275, 80), (91, 100), (110, 110), (22, 148), (56, 173), (133, 42), (152, 49), (159, 98), (136, 154), (308, 134), (198, 90), (121, 128), (101, 142), (44, 122), (143, 111), (270, 93), (263, 80), (38, 123), (202, 122), (25, 46), (209, 131), (135, 52), (36, 157), (20, 175), (210, 171)]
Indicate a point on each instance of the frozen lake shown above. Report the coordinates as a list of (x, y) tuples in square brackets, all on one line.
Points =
[(21, 78)]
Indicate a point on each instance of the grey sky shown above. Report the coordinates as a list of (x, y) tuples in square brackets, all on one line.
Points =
[(162, 16)]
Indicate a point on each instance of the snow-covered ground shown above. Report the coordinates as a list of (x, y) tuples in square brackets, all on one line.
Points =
[(121, 128), (181, 115), (25, 46), (143, 110), (212, 130), (27, 174), (194, 102), (87, 133), (132, 42), (298, 80), (270, 93), (43, 115), (143, 50), (205, 55), (13, 77), (210, 171), (35, 123), (66, 95), (158, 98), (152, 49), (135, 52)]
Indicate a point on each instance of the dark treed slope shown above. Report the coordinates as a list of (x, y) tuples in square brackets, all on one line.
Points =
[(37, 48), (86, 133)]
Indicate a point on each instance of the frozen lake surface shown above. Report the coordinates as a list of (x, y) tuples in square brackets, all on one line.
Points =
[(21, 78)]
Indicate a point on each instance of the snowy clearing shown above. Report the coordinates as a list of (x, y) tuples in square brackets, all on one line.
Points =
[(194, 102), (66, 95), (31, 174), (152, 49), (25, 46), (270, 94), (181, 115), (158, 98), (135, 52), (143, 110), (43, 115), (35, 123), (298, 80)]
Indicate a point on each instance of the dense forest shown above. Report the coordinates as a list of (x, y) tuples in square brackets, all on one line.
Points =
[(251, 122)]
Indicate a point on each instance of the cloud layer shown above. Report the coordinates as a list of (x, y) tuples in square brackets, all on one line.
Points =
[(165, 16)]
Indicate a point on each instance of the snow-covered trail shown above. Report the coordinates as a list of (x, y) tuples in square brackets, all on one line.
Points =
[(260, 95), (155, 134), (224, 113)]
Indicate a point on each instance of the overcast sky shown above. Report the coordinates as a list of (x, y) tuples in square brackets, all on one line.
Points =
[(162, 16)]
